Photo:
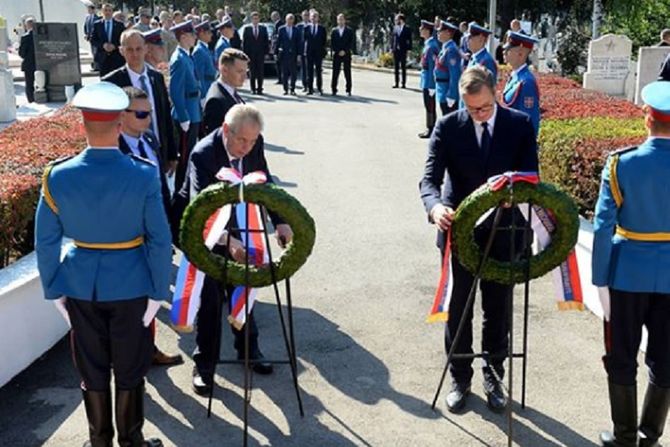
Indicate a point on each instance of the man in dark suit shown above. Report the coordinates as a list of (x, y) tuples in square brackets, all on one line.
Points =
[(343, 45), (90, 20), (222, 94), (238, 144), (27, 53), (664, 75), (466, 148), (303, 59), (278, 23), (288, 47), (137, 73), (255, 45), (315, 50), (106, 38), (400, 45)]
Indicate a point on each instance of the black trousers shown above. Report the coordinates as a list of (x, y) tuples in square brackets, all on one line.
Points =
[(280, 69), (623, 333), (303, 70), (314, 69), (30, 85), (400, 63), (429, 105), (186, 141), (445, 109), (289, 72), (338, 63), (495, 327), (256, 75), (205, 355), (110, 335)]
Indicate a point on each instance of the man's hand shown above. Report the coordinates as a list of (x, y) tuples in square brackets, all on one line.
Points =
[(108, 47), (171, 167), (341, 53), (442, 216), (236, 250), (284, 235), (60, 305)]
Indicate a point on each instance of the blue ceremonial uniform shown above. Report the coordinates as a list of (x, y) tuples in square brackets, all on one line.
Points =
[(447, 73), (221, 45), (184, 88), (204, 67), (483, 58), (102, 196), (631, 256), (431, 49), (522, 93)]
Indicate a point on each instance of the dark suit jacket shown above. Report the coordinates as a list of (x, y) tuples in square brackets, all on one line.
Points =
[(315, 43), (151, 139), (346, 43), (217, 103), (664, 75), (275, 35), (235, 41), (288, 48), (88, 24), (168, 149), (456, 166), (255, 47), (99, 37), (401, 43), (27, 52)]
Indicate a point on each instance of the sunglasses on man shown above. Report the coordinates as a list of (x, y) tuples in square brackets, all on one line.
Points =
[(140, 114)]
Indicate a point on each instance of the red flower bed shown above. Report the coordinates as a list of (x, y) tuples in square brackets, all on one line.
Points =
[(26, 148)]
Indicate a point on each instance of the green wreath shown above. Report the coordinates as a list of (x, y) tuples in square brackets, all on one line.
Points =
[(545, 195), (274, 199)]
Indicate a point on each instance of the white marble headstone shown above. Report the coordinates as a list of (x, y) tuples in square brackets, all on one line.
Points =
[(649, 62), (609, 64)]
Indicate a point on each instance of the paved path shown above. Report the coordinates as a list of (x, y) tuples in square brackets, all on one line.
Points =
[(368, 363)]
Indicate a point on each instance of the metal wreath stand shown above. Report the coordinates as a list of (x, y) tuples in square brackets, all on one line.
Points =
[(511, 355), (288, 334)]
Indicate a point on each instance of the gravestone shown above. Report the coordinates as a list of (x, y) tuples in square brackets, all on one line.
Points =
[(609, 64), (649, 62), (57, 54)]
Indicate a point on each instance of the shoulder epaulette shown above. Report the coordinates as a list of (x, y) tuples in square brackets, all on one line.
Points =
[(48, 198), (623, 150), (613, 174), (143, 160)]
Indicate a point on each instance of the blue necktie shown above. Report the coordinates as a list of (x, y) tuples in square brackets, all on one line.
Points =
[(140, 148), (485, 145), (108, 30)]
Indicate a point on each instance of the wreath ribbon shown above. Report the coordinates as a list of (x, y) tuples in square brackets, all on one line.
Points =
[(188, 287)]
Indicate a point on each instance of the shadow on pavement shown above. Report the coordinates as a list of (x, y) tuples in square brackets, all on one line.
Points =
[(282, 149)]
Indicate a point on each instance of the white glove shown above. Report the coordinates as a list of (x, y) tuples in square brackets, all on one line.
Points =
[(431, 92), (152, 309), (185, 125), (60, 305), (451, 102)]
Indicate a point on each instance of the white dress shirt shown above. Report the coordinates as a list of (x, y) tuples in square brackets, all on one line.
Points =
[(135, 81), (133, 142), (479, 130)]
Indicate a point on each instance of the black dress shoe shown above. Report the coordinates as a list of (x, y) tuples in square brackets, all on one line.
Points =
[(457, 396), (309, 92), (334, 93), (425, 134), (285, 93), (495, 398), (348, 93), (258, 367), (404, 86), (202, 384), (320, 92), (152, 442), (293, 93)]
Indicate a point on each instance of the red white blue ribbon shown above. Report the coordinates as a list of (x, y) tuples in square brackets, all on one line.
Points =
[(567, 282), (188, 287)]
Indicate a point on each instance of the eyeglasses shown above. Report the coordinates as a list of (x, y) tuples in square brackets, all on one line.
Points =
[(140, 114), (483, 109)]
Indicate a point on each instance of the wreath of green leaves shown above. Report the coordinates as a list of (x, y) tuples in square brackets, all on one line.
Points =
[(273, 199), (545, 195)]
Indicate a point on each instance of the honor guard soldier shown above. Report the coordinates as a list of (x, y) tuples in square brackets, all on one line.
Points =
[(521, 91), (203, 58), (447, 68), (110, 283), (631, 257), (431, 48), (477, 39), (185, 95), (227, 30)]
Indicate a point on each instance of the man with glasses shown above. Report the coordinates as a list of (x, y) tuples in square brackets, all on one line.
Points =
[(466, 148)]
